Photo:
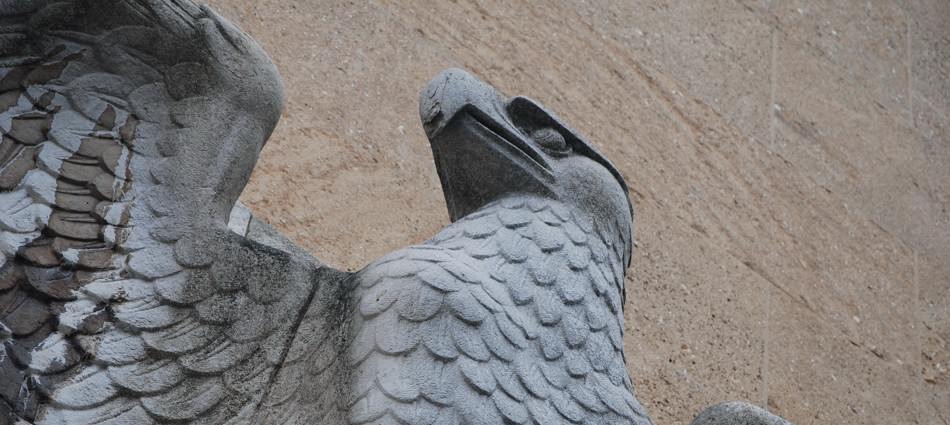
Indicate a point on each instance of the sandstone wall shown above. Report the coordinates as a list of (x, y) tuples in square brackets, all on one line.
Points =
[(789, 164)]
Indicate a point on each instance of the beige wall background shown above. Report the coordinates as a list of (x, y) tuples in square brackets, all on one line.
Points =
[(789, 164)]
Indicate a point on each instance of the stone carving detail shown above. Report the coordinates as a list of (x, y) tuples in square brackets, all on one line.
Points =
[(133, 288)]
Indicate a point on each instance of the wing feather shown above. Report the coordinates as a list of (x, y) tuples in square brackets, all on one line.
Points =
[(128, 130)]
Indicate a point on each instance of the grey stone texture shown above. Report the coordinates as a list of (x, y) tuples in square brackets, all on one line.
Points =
[(129, 131), (788, 160), (137, 289), (794, 250), (736, 413), (511, 314)]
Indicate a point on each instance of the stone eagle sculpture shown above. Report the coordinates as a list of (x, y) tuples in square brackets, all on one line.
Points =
[(133, 290)]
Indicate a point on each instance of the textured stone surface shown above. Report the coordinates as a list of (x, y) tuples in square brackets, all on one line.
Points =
[(826, 210), (866, 43), (119, 165), (512, 313), (134, 290), (733, 413), (930, 51), (934, 335), (718, 50)]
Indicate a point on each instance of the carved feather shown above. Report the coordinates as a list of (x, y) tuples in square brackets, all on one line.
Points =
[(110, 117), (134, 290), (480, 336)]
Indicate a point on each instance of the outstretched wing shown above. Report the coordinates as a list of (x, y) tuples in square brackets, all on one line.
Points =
[(129, 128)]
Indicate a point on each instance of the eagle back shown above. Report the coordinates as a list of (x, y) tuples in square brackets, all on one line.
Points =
[(512, 314)]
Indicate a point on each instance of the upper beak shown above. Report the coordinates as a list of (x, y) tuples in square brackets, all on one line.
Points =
[(451, 92), (455, 92)]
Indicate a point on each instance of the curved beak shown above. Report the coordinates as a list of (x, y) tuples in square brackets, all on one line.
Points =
[(479, 153), (454, 92)]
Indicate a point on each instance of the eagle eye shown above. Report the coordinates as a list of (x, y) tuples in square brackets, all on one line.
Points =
[(551, 141)]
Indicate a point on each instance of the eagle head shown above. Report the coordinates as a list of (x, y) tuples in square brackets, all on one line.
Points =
[(487, 147)]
